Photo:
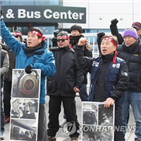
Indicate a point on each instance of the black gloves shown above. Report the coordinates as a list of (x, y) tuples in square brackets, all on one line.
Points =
[(114, 30), (114, 21), (28, 69), (100, 35)]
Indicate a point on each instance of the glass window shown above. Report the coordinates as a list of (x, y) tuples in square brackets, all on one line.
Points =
[(10, 29), (54, 2), (30, 2), (22, 2), (23, 30), (104, 30), (90, 31), (47, 29), (5, 2), (46, 2), (120, 30)]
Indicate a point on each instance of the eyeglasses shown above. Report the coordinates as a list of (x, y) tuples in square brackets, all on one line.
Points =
[(62, 40), (16, 36)]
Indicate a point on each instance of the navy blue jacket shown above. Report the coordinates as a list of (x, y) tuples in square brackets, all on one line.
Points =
[(116, 76)]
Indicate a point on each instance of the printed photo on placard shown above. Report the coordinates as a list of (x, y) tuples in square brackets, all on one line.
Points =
[(97, 122), (105, 116), (24, 108), (25, 85), (23, 130), (90, 115), (24, 105)]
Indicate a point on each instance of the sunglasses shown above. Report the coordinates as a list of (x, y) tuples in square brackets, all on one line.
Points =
[(62, 40), (16, 36)]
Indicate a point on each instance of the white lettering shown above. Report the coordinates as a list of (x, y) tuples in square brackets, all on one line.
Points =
[(69, 14), (46, 14), (80, 16), (63, 14), (75, 16), (21, 13), (30, 15), (56, 15), (37, 15)]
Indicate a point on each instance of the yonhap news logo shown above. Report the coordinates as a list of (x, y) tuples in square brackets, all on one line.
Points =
[(69, 128)]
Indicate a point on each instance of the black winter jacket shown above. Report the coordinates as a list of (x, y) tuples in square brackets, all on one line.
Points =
[(87, 52), (67, 75), (132, 56)]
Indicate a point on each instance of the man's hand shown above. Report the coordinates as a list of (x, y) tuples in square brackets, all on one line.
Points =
[(82, 41), (28, 69), (76, 90), (109, 102), (114, 21), (100, 35)]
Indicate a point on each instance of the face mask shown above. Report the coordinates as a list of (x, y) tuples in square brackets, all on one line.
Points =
[(74, 39)]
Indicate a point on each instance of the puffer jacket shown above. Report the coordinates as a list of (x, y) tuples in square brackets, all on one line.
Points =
[(67, 75), (44, 61), (132, 56)]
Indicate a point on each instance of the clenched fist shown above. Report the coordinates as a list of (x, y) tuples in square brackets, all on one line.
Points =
[(82, 41)]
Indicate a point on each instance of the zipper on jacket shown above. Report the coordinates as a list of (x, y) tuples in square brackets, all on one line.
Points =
[(33, 61)]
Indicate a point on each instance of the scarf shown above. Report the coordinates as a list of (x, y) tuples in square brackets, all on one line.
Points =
[(30, 51), (74, 39)]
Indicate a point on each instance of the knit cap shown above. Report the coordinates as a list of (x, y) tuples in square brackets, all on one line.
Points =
[(130, 32)]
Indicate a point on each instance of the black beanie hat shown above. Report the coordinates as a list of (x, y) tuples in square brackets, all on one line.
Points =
[(76, 27)]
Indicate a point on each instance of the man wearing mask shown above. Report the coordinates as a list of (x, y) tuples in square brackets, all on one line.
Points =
[(76, 34)]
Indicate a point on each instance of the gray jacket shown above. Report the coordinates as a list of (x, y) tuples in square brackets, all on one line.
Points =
[(5, 65)]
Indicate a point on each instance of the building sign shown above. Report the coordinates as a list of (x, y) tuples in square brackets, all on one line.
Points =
[(44, 14)]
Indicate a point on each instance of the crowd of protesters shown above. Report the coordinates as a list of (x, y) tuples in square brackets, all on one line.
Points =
[(115, 74)]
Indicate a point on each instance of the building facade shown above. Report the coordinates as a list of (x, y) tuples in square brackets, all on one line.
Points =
[(93, 15)]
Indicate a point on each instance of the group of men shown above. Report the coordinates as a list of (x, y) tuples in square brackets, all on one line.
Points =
[(115, 75)]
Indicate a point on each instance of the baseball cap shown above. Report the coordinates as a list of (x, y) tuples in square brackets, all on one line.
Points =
[(136, 25)]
